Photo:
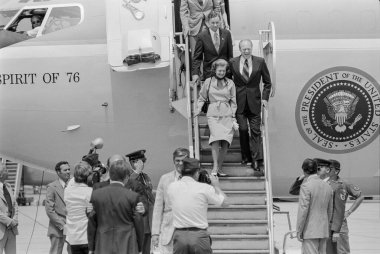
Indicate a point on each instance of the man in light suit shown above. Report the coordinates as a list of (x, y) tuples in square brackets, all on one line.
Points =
[(8, 215), (56, 208), (247, 72), (193, 17), (212, 44), (115, 226), (162, 226), (314, 211)]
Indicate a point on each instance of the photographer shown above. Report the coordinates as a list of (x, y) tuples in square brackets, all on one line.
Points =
[(189, 199)]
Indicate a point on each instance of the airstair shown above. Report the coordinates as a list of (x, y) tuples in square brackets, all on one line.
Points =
[(246, 224), (14, 174)]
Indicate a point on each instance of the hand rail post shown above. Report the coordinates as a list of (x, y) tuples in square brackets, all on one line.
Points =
[(188, 94), (196, 124)]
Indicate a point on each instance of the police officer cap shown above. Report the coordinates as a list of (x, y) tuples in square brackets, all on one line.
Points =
[(191, 163), (322, 162), (335, 164), (140, 154)]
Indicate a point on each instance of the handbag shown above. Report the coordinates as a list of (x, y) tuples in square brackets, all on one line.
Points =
[(207, 102)]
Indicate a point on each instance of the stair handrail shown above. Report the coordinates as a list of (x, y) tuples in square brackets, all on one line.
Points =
[(188, 99), (264, 38), (196, 124), (268, 178)]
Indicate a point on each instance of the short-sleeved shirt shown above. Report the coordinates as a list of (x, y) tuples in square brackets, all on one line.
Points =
[(189, 201)]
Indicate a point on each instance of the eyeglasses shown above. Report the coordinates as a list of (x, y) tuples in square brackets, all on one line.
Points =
[(36, 22)]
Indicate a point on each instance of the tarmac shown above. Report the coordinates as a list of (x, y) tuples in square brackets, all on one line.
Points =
[(364, 225)]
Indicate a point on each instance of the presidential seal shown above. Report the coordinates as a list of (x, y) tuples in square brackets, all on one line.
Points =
[(338, 110)]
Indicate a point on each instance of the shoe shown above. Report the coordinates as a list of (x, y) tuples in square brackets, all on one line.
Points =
[(221, 174), (258, 173)]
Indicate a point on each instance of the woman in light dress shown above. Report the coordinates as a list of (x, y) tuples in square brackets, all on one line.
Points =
[(221, 112)]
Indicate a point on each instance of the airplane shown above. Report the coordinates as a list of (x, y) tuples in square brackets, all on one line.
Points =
[(76, 80)]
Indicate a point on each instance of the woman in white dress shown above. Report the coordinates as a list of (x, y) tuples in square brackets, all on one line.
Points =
[(221, 112)]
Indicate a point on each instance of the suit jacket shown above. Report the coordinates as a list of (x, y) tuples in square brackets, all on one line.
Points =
[(162, 214), (205, 51), (248, 92), (100, 185), (315, 208), (192, 15), (296, 186), (146, 197), (113, 224), (55, 208), (4, 219)]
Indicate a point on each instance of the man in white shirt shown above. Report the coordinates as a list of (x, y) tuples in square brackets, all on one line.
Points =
[(189, 201), (162, 225)]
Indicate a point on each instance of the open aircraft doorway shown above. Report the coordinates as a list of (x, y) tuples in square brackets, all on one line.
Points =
[(138, 34)]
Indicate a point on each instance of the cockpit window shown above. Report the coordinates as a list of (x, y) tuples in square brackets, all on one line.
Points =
[(61, 18), (5, 17), (28, 22)]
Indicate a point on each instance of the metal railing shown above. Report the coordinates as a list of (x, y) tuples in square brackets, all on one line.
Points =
[(267, 50)]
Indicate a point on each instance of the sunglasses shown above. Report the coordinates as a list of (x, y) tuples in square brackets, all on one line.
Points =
[(36, 22)]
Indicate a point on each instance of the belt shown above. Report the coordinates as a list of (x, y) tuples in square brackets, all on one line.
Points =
[(191, 229)]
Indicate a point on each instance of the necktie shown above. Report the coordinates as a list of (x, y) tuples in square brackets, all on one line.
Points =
[(65, 185), (7, 197), (200, 2), (216, 41), (245, 73)]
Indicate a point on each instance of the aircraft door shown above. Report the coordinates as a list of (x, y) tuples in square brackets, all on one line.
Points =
[(138, 34)]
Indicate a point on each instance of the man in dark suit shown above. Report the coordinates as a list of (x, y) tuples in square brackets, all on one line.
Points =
[(247, 72), (8, 215), (114, 226), (56, 208), (212, 44)]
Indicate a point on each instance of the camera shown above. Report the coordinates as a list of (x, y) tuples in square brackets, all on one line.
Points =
[(204, 177), (92, 158)]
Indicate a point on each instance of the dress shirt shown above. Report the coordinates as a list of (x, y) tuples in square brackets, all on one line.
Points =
[(189, 200), (62, 183), (212, 33), (242, 61), (77, 198), (326, 179), (177, 176), (121, 183)]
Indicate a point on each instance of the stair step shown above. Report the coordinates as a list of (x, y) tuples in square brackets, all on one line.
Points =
[(237, 212), (233, 155), (204, 143), (258, 227), (233, 169), (246, 197), (242, 242), (242, 183), (240, 251)]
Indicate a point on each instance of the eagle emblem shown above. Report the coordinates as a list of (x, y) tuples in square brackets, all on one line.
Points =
[(341, 105)]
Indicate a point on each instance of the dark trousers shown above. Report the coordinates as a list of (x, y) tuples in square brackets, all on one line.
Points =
[(146, 246), (331, 247), (251, 147), (191, 242), (79, 249)]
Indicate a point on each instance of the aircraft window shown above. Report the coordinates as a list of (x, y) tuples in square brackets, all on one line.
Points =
[(23, 23), (5, 17), (61, 18)]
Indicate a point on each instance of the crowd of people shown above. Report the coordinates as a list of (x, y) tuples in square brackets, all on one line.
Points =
[(322, 215), (120, 214)]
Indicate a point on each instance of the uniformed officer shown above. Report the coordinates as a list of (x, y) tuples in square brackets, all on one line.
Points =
[(326, 172), (343, 245), (141, 183)]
